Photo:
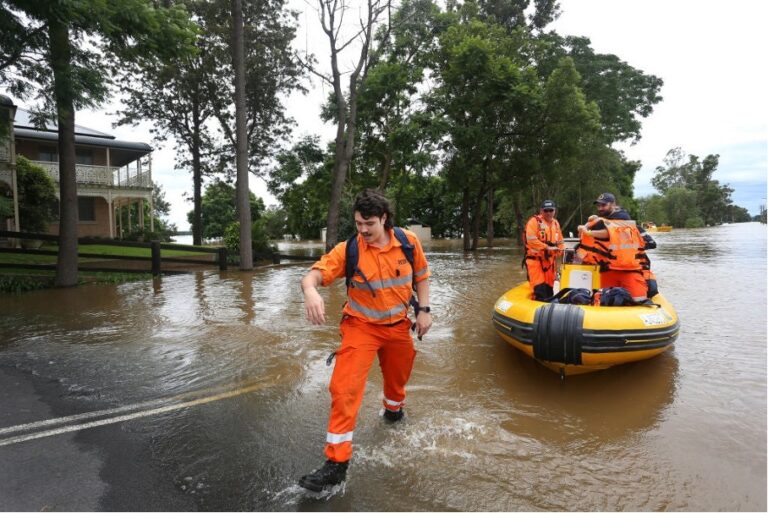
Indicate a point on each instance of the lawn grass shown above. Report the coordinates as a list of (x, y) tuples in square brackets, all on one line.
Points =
[(22, 280), (15, 281)]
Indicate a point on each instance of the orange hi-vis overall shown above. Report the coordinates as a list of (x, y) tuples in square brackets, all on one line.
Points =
[(374, 322), (622, 258), (541, 264)]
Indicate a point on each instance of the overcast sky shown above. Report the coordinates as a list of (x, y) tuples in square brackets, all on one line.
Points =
[(711, 56)]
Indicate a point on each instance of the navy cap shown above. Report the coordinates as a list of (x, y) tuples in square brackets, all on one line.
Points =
[(548, 204), (605, 197)]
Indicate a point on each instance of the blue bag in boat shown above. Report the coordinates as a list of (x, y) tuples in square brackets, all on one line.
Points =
[(573, 297), (615, 296)]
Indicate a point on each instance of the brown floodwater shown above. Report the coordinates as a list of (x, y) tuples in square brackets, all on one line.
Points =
[(487, 428)]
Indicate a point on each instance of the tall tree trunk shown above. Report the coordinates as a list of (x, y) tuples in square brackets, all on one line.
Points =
[(490, 218), (476, 218), (465, 218), (197, 184), (340, 166), (243, 205), (520, 222), (385, 169), (61, 54)]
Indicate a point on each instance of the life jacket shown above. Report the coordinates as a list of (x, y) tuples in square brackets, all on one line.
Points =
[(352, 257), (623, 251), (625, 245), (592, 251), (546, 234)]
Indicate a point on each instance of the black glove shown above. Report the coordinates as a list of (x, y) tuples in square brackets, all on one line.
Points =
[(649, 242)]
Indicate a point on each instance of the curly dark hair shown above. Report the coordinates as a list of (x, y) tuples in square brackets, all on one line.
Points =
[(371, 202)]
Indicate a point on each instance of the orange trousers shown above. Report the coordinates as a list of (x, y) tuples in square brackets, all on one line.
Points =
[(539, 275), (360, 343), (633, 281)]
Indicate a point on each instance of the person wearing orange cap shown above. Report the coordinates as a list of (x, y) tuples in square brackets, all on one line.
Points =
[(374, 322), (543, 242)]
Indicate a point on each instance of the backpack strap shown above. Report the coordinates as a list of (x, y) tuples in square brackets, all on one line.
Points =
[(408, 248), (558, 296), (352, 257)]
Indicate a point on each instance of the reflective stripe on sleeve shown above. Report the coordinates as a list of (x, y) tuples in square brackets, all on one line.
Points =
[(422, 272), (335, 438)]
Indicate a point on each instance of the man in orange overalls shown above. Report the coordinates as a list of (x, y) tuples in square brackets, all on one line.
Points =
[(374, 322), (543, 242)]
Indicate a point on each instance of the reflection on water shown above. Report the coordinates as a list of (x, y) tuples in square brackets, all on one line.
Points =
[(487, 429)]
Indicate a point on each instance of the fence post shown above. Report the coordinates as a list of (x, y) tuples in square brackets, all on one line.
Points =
[(155, 258), (222, 259)]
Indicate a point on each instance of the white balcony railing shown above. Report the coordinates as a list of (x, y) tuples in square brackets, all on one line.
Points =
[(100, 175)]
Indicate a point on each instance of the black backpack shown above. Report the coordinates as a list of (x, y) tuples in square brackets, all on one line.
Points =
[(568, 296), (615, 296)]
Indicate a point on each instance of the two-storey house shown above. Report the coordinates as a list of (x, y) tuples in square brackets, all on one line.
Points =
[(112, 174)]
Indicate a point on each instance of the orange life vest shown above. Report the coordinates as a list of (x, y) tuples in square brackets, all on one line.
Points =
[(546, 233), (623, 251)]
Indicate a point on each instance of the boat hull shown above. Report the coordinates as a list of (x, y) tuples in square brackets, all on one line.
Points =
[(575, 339)]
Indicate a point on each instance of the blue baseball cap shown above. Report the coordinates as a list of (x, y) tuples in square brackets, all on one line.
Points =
[(548, 204), (604, 198)]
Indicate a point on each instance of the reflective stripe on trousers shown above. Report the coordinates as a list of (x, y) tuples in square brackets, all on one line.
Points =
[(360, 343)]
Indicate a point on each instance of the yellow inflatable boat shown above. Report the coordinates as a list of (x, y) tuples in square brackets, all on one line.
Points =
[(574, 339)]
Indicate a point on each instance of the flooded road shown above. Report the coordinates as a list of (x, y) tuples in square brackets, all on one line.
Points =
[(208, 391)]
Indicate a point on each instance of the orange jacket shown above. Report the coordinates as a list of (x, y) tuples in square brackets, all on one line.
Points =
[(537, 233), (388, 272), (623, 251)]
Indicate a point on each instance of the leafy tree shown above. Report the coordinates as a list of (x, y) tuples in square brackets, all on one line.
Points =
[(275, 222), (737, 214), (184, 97), (67, 43), (623, 94), (712, 199), (219, 208), (259, 239), (652, 208), (37, 196), (345, 99), (681, 208), (6, 208), (300, 181)]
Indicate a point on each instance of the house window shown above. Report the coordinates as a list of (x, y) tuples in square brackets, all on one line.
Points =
[(86, 209), (84, 157), (48, 154)]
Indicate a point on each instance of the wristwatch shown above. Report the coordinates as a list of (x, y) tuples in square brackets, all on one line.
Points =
[(424, 309)]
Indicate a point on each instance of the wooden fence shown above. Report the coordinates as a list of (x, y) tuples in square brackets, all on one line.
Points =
[(155, 248), (156, 259)]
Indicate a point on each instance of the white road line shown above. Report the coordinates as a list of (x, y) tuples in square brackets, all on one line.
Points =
[(103, 413), (123, 418)]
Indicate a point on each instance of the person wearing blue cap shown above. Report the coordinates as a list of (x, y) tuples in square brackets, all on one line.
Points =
[(543, 242), (635, 276)]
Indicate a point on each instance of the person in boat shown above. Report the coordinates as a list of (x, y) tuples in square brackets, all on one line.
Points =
[(615, 242), (386, 264), (543, 243)]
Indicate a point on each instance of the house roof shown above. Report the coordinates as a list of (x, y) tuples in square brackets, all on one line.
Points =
[(24, 128)]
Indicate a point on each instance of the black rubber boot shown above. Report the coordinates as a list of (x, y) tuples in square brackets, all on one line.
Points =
[(393, 416), (330, 474)]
